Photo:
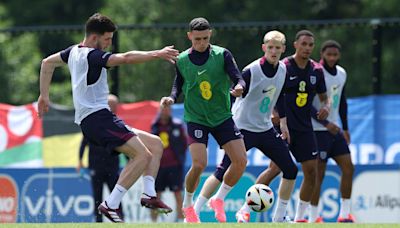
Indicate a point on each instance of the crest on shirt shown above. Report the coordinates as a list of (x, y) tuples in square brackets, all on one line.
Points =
[(176, 132), (313, 79), (198, 134), (323, 155)]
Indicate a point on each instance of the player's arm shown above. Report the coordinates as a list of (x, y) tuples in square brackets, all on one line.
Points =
[(332, 128), (46, 74), (246, 75), (343, 116), (176, 90), (84, 143), (131, 57), (233, 71), (280, 107), (323, 97)]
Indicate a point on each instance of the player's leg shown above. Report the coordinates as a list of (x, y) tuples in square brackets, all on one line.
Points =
[(231, 139), (198, 139), (153, 143), (199, 162), (346, 184), (269, 174), (111, 180), (139, 158), (174, 181), (304, 148), (97, 188), (314, 214), (103, 128), (149, 197), (211, 184), (276, 149), (325, 145), (178, 200)]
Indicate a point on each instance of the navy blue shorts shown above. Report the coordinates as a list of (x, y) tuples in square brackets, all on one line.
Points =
[(303, 145), (272, 146), (103, 128), (330, 146), (223, 133), (171, 177)]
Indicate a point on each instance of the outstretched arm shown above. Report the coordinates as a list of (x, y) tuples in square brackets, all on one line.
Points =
[(168, 53), (46, 74)]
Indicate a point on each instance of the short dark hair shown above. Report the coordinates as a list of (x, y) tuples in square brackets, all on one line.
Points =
[(329, 44), (199, 24), (99, 24), (303, 33)]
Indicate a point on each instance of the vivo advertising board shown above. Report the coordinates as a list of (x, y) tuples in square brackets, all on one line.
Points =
[(61, 195)]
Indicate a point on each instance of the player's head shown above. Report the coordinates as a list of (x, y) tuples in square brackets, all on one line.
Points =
[(330, 52), (113, 102), (304, 44), (273, 46), (99, 30), (199, 34)]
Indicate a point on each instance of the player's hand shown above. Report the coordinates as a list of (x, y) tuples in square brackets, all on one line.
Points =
[(284, 130), (43, 105), (79, 167), (346, 135), (323, 113), (166, 101), (168, 53), (237, 91), (333, 128)]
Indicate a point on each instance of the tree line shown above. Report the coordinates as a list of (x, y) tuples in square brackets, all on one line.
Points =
[(21, 53)]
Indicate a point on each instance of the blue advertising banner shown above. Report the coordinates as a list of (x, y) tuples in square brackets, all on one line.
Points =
[(51, 195), (373, 125), (62, 195)]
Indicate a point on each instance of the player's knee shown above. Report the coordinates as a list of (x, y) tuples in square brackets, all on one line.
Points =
[(239, 162), (199, 166), (147, 156), (156, 146), (290, 172)]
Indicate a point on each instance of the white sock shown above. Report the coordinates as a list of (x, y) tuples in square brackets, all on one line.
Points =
[(345, 207), (200, 201), (313, 213), (187, 199), (301, 210), (245, 208), (223, 191), (149, 186), (114, 199), (280, 211)]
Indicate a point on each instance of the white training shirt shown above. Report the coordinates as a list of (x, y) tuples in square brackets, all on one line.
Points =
[(334, 87), (87, 98), (253, 112)]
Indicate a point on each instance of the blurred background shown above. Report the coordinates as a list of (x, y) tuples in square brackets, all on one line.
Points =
[(368, 30)]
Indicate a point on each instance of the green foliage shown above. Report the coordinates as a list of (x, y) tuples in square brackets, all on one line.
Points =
[(19, 59), (20, 54)]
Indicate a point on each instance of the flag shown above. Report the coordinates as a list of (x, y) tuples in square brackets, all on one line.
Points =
[(20, 136)]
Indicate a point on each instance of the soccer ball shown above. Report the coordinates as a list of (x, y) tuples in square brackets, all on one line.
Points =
[(259, 197)]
